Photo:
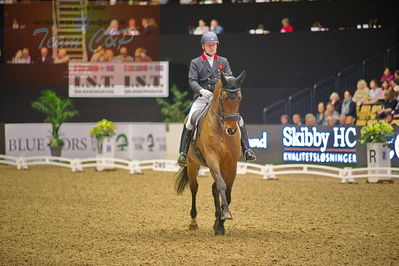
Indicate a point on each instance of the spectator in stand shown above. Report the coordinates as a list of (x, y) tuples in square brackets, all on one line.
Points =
[(215, 27), (385, 86), (395, 88), (140, 55), (296, 120), (375, 93), (330, 111), (386, 75), (389, 118), (396, 74), (284, 120), (26, 59), (331, 120), (17, 59), (123, 56), (44, 57), (334, 99), (149, 26), (320, 118), (362, 92), (62, 57), (310, 120), (286, 26), (132, 28), (350, 120), (108, 56), (348, 106), (113, 28), (342, 120), (202, 28), (98, 54), (389, 104)]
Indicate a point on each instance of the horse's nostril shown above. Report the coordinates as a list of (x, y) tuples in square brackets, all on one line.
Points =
[(231, 131)]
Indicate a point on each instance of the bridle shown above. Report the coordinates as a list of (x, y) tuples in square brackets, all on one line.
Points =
[(231, 93)]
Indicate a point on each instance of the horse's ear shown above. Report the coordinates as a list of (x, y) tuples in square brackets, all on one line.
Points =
[(241, 77), (223, 78)]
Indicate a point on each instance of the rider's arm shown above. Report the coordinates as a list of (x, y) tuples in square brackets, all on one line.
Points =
[(193, 78)]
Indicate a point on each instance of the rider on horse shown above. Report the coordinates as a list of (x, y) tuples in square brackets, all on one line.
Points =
[(203, 75)]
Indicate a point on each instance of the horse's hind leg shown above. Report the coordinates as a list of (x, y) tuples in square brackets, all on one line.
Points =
[(219, 224), (192, 174)]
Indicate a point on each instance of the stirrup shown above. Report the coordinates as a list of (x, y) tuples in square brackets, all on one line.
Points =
[(249, 155), (182, 160)]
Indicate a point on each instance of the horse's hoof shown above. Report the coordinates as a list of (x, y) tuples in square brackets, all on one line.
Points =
[(193, 227), (219, 232), (226, 215)]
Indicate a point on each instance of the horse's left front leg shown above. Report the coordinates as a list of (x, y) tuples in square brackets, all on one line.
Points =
[(222, 189)]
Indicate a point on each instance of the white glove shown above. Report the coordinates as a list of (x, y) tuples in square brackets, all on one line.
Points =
[(206, 94)]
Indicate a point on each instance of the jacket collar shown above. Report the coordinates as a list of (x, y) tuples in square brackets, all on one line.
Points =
[(203, 57)]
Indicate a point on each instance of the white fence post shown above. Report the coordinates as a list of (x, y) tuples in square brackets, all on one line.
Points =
[(347, 176), (268, 172)]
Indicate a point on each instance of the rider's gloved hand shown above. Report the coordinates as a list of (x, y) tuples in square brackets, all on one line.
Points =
[(206, 94)]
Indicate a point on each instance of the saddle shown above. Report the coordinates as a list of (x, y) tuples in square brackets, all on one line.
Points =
[(197, 119)]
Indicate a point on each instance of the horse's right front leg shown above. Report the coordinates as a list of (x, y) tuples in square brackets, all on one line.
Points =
[(219, 224), (222, 188)]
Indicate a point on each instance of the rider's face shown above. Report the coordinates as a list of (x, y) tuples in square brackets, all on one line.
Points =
[(210, 48)]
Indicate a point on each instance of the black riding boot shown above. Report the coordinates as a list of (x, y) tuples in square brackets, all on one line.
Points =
[(248, 153), (184, 144)]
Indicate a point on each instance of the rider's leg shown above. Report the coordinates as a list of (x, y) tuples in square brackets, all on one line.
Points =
[(185, 140), (247, 152)]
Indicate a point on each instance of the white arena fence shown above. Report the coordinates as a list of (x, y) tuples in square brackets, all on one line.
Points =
[(268, 171)]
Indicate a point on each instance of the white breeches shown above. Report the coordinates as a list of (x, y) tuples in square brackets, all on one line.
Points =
[(200, 104)]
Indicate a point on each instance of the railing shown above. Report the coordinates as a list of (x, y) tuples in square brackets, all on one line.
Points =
[(268, 171), (346, 79), (272, 113), (299, 102)]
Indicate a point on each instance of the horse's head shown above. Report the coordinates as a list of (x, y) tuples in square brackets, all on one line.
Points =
[(230, 97)]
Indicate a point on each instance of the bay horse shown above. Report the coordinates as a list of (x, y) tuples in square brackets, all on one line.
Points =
[(220, 147)]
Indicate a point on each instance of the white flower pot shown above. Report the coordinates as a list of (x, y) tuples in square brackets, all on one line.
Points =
[(106, 154), (378, 155)]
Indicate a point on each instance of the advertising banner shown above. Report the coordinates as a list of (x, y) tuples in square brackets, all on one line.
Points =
[(100, 80), (317, 145), (133, 140)]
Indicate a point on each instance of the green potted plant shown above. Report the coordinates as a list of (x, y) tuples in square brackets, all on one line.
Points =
[(378, 137), (175, 111), (103, 129), (57, 111)]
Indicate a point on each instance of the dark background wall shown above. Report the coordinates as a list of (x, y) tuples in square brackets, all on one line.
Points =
[(277, 64)]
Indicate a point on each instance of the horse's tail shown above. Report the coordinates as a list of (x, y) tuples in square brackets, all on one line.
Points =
[(182, 180)]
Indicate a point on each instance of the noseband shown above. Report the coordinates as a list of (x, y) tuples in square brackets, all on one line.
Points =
[(232, 94)]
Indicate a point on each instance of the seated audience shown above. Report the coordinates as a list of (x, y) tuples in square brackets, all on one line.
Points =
[(123, 56), (388, 105), (202, 28), (350, 120), (17, 57), (284, 120), (331, 120), (395, 88), (396, 74), (215, 27), (286, 26), (113, 28), (385, 85), (375, 93), (44, 57), (140, 55), (310, 120), (334, 99), (342, 120), (132, 28), (108, 56), (386, 75), (149, 26), (330, 112), (98, 55), (26, 59), (348, 106), (362, 93), (62, 57), (389, 118), (296, 120), (320, 118)]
